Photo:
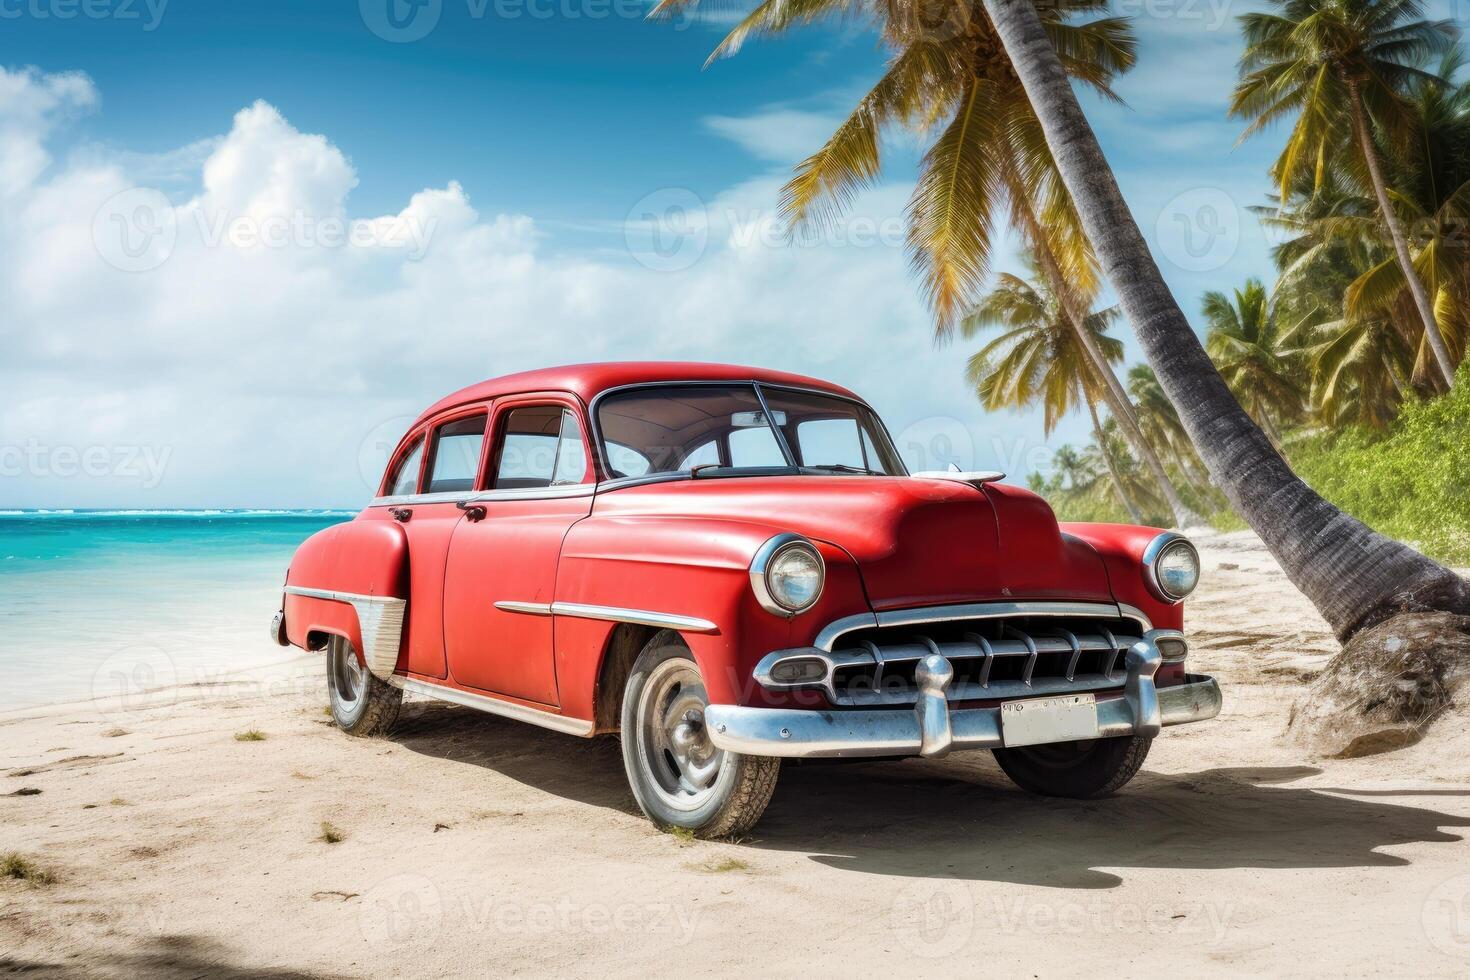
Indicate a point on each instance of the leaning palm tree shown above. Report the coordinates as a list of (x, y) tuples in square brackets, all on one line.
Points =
[(1037, 360), (1355, 576), (1343, 67), (989, 157), (1252, 352)]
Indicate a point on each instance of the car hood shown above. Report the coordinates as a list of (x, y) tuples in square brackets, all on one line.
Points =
[(916, 541)]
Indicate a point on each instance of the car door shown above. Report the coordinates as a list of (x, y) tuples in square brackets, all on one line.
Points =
[(501, 571), (425, 493)]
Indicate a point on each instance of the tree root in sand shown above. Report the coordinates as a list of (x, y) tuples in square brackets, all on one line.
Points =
[(1386, 686)]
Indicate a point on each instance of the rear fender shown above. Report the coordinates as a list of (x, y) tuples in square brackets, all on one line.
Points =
[(350, 580)]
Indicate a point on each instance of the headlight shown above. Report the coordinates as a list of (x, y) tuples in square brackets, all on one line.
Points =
[(1171, 567), (787, 575)]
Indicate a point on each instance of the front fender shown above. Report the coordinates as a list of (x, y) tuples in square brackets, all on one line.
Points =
[(1121, 548), (689, 567)]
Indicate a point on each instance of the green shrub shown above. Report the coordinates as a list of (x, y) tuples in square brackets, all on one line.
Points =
[(1411, 482)]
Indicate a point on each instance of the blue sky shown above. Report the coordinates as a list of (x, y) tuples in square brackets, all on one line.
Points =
[(534, 138)]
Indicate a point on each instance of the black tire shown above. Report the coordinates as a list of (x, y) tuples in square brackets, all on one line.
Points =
[(665, 682), (361, 704), (1076, 770)]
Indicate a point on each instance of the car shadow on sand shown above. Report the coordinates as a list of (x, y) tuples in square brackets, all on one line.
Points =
[(961, 818)]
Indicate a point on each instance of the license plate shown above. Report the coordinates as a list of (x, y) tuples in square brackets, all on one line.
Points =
[(1043, 720)]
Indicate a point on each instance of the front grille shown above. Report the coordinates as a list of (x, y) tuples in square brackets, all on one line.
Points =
[(1017, 656)]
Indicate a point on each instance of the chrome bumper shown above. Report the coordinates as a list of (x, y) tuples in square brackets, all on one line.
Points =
[(931, 728)]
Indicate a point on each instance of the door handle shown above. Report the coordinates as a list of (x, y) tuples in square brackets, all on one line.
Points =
[(472, 512), (400, 514)]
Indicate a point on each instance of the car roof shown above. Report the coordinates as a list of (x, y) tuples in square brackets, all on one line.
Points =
[(587, 381)]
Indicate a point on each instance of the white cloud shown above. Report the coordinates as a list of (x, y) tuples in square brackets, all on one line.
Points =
[(31, 106), (278, 335), (778, 135)]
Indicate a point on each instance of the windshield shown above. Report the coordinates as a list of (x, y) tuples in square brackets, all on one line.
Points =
[(718, 428)]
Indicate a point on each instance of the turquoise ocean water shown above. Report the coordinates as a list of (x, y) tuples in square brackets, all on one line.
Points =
[(177, 595)]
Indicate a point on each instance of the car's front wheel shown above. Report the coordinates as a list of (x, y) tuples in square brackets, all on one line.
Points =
[(678, 776), (1078, 770), (361, 704)]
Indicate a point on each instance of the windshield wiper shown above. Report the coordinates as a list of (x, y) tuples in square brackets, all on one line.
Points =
[(843, 468)]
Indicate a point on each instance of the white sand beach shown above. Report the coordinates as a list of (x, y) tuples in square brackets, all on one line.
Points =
[(474, 845)]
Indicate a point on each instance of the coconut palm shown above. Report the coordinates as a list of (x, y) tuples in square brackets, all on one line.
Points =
[(1356, 371), (1161, 425), (1251, 351), (1354, 575), (1342, 67), (1037, 359), (949, 73)]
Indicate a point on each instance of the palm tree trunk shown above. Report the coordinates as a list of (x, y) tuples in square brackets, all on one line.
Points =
[(1355, 576), (1117, 398), (1400, 244), (1134, 514)]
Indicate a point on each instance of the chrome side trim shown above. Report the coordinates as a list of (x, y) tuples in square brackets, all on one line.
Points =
[(395, 500), (379, 620), (495, 706), (529, 608), (640, 617), (479, 496)]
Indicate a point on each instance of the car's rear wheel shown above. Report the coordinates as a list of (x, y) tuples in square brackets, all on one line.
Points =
[(1079, 770), (678, 776), (361, 704)]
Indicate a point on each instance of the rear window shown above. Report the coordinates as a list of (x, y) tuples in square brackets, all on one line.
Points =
[(456, 458), (404, 479)]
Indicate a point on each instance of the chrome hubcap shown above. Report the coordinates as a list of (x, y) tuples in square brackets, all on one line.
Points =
[(675, 749), (347, 675)]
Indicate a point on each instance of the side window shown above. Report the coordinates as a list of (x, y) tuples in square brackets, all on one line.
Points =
[(455, 461), (571, 454), (405, 479), (542, 446)]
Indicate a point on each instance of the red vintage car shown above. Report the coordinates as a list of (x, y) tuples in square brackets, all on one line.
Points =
[(729, 566)]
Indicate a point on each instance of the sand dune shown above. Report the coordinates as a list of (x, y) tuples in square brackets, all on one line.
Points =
[(475, 845)]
